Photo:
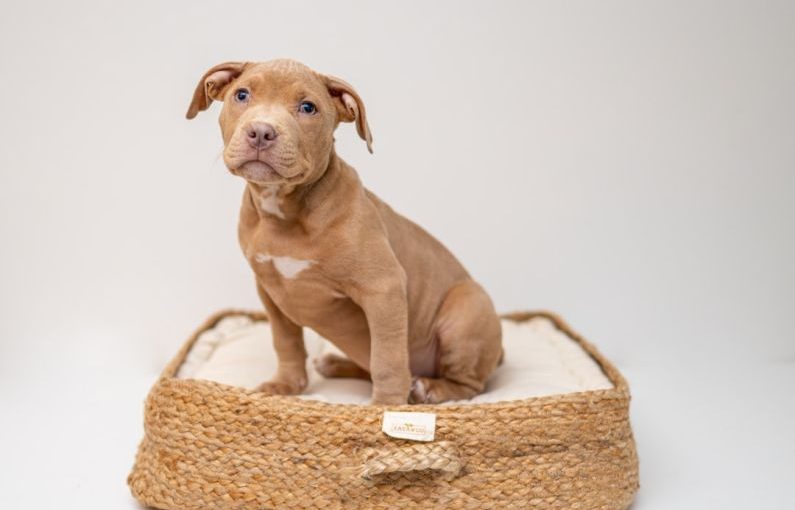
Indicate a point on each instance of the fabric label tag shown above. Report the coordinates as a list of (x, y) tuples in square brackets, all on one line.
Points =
[(415, 426)]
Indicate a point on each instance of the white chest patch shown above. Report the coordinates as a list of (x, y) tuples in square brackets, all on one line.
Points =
[(288, 267), (271, 203)]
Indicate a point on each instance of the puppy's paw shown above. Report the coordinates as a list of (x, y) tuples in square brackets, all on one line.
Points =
[(389, 398), (276, 387), (332, 365), (419, 393), (329, 365)]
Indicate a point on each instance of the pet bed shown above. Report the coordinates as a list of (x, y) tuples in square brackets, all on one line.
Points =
[(551, 431)]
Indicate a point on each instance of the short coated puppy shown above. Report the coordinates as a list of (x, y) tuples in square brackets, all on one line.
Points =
[(330, 255)]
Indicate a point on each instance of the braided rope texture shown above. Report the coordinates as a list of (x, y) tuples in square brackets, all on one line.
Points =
[(441, 456), (208, 446)]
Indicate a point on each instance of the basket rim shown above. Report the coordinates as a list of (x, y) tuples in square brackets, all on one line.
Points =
[(619, 391)]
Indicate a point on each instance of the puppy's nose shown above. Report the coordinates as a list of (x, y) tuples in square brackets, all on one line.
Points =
[(260, 135)]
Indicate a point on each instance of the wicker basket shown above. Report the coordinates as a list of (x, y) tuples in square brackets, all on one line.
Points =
[(212, 446)]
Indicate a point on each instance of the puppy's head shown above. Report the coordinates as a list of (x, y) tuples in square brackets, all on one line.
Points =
[(278, 118)]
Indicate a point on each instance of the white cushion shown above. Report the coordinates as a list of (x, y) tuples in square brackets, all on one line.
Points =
[(539, 360)]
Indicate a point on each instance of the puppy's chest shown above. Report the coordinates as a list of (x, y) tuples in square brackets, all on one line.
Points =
[(296, 280), (280, 259), (292, 272)]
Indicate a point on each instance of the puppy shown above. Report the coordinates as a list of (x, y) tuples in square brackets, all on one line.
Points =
[(330, 255)]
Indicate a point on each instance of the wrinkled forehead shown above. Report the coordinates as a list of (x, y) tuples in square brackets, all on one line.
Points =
[(279, 78)]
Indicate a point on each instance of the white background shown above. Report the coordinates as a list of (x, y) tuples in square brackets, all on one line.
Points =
[(630, 165)]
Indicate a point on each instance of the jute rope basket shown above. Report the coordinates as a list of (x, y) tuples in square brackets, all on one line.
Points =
[(212, 446)]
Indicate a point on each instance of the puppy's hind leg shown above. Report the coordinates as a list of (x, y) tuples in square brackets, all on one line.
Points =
[(470, 346), (333, 365)]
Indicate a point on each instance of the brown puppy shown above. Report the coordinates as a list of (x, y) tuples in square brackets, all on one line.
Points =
[(330, 255)]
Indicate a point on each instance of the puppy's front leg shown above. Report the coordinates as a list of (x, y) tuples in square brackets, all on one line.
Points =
[(288, 342), (386, 308)]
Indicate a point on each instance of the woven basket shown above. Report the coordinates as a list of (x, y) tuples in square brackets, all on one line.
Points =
[(213, 446)]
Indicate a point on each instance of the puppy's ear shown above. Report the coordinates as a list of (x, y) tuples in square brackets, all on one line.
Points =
[(350, 107), (212, 86)]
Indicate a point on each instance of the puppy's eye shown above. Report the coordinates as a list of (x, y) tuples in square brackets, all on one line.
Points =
[(242, 95), (307, 107)]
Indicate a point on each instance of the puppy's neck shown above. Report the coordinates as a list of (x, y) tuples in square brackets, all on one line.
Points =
[(289, 204)]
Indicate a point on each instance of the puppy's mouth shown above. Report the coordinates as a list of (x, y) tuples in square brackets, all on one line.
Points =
[(257, 171)]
